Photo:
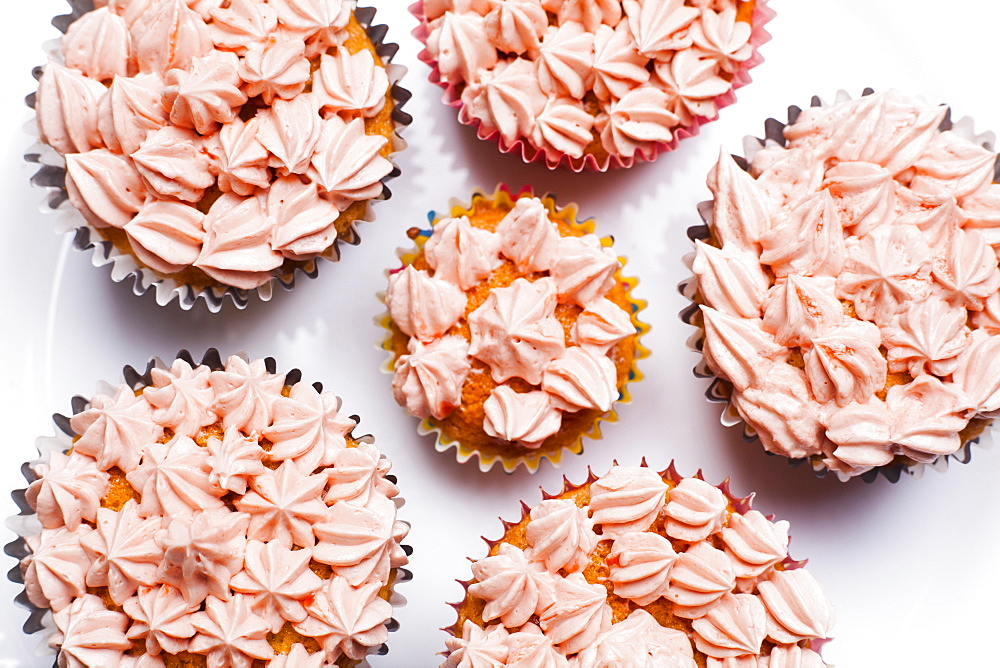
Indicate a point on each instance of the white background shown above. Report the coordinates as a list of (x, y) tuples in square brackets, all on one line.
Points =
[(912, 568)]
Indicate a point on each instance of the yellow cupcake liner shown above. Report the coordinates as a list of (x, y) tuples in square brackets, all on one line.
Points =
[(26, 524), (720, 390), (531, 459)]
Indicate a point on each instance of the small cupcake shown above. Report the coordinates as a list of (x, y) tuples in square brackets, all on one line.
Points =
[(590, 85), (849, 289), (213, 148), (640, 568), (512, 332), (211, 514)]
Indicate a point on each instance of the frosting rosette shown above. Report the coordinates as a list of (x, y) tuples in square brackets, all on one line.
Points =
[(263, 532), (841, 282), (652, 597), (512, 332), (590, 85), (217, 149)]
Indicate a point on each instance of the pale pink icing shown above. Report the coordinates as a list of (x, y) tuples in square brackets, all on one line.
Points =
[(516, 26), (299, 657), (508, 99), (105, 187), (515, 330), (347, 619), (627, 498), (162, 618), (563, 128), (578, 615), (166, 235), (462, 254), (352, 83), (525, 418), (754, 543), (561, 535), (584, 269), (981, 212), (581, 380), (172, 480), (565, 60), (428, 381), (361, 543), (423, 306), (797, 607), (56, 572), (732, 280), (722, 36), (237, 249), (693, 83), (739, 212), (162, 563), (589, 13), (602, 325), (308, 427), (637, 120), (639, 641), (639, 566), (456, 43), (514, 588), (794, 656), (68, 490), (275, 581), (97, 44), (694, 510), (660, 27), (618, 66), (977, 372), (284, 504), (233, 460), (123, 551), (115, 430), (89, 634), (872, 186), (735, 625), (700, 576), (201, 553), (305, 220), (527, 236), (699, 582), (168, 127), (68, 109), (229, 633)]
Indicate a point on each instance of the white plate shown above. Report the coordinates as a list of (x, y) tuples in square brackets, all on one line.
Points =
[(911, 567)]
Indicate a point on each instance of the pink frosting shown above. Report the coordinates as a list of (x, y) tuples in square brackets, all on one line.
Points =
[(242, 159), (166, 235), (754, 543), (561, 535), (429, 380), (229, 633), (735, 625), (284, 504), (105, 187), (865, 204), (462, 254), (530, 648), (123, 551), (581, 380), (98, 44), (578, 616), (525, 418), (618, 66), (275, 581), (639, 641), (602, 325), (131, 109), (700, 577), (694, 510), (976, 371), (306, 221), (68, 490), (514, 589), (181, 397), (660, 27), (628, 498), (352, 83), (423, 306), (361, 543), (359, 474), (89, 634), (478, 647), (508, 99), (207, 94), (797, 607), (794, 656), (172, 166), (308, 427), (241, 25), (347, 620), (456, 42), (234, 460), (584, 270), (172, 480), (162, 618), (694, 83), (563, 128), (290, 130), (732, 280), (565, 60), (115, 430), (638, 120), (527, 236), (639, 566), (173, 24), (516, 26), (56, 572), (68, 110)]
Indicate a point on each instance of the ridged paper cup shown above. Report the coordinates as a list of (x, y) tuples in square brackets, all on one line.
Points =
[(26, 524), (191, 286), (596, 571), (977, 433), (588, 426), (760, 15)]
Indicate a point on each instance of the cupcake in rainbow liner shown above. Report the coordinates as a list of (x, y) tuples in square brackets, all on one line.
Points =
[(846, 286), (210, 151), (213, 514), (512, 332), (590, 85), (639, 568)]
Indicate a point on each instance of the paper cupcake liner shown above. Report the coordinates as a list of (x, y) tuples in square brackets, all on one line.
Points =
[(51, 177), (532, 459), (26, 523), (720, 391), (740, 504), (452, 97)]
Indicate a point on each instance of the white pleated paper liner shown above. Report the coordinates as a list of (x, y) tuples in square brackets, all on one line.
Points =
[(720, 390), (25, 523), (51, 177)]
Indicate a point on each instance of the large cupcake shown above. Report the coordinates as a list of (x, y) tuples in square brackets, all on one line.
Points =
[(211, 515), (849, 285), (512, 330), (217, 148), (585, 84), (645, 569)]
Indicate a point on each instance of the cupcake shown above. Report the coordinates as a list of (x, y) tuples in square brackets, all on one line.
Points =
[(211, 515), (590, 85), (848, 287), (640, 568), (216, 148), (512, 332)]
